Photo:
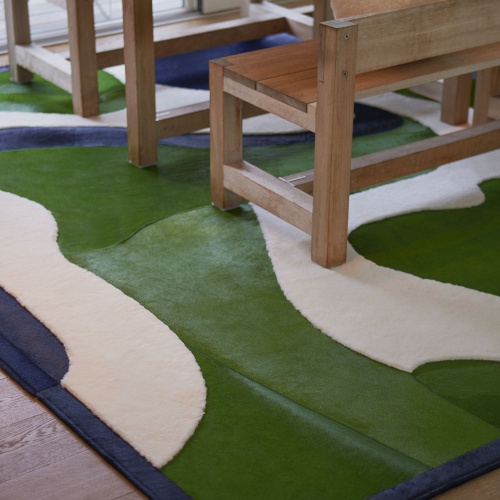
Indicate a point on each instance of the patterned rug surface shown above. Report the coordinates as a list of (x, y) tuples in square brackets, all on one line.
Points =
[(203, 354)]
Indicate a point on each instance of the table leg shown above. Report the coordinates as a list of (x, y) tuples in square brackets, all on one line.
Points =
[(18, 33), (83, 57), (140, 82)]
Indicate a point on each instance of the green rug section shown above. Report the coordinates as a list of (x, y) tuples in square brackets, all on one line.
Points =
[(452, 246), (472, 385), (99, 199), (254, 443), (207, 275), (41, 96)]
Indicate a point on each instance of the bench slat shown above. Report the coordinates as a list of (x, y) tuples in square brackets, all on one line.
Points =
[(408, 35), (349, 8), (299, 89), (387, 165), (428, 70), (259, 65), (270, 193)]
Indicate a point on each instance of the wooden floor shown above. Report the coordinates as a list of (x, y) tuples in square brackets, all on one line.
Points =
[(40, 458)]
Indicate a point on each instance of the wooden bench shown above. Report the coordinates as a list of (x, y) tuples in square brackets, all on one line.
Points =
[(314, 84)]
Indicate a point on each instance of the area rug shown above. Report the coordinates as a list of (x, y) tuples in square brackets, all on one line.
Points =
[(319, 383)]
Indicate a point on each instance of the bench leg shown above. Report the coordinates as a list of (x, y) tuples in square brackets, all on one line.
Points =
[(456, 99), (83, 56), (486, 86), (18, 33), (226, 137), (140, 82), (333, 146)]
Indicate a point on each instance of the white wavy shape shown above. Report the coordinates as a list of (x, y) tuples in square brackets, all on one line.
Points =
[(423, 111), (126, 366), (166, 98), (390, 316)]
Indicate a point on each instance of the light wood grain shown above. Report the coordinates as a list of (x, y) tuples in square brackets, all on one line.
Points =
[(33, 443), (429, 153), (278, 107), (486, 487), (473, 24), (484, 90), (427, 70), (140, 86), (46, 64), (81, 32), (81, 476), (322, 12), (456, 100), (248, 69), (186, 35), (411, 158), (270, 193), (332, 159), (15, 405), (18, 33), (348, 8), (226, 144), (39, 453)]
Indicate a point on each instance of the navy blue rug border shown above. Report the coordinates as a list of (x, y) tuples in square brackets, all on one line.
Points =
[(17, 360), (447, 476)]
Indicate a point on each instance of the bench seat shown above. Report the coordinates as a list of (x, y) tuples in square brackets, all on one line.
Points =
[(290, 73)]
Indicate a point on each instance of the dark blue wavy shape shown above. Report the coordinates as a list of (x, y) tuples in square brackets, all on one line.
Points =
[(368, 121)]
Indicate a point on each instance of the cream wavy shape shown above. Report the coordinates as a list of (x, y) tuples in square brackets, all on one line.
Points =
[(126, 366), (390, 316), (166, 98)]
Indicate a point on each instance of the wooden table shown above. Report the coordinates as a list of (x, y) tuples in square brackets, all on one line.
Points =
[(138, 50), (144, 126)]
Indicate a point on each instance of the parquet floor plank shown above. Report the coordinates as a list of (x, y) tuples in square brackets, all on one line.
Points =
[(486, 487), (14, 404), (41, 458), (83, 476), (32, 443)]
